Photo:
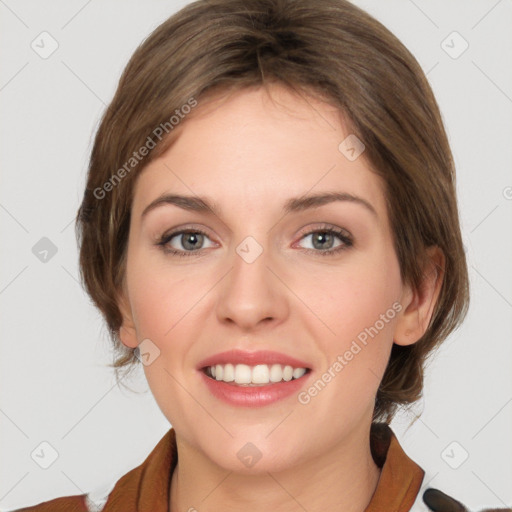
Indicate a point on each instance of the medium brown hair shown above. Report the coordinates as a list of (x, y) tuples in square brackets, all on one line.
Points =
[(332, 49)]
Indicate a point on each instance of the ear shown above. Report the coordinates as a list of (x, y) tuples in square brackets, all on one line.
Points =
[(127, 331), (419, 304)]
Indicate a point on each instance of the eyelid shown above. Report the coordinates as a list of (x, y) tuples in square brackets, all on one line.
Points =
[(185, 227), (307, 230), (345, 237)]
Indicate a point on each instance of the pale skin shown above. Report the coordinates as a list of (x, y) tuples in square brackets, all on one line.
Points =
[(249, 155)]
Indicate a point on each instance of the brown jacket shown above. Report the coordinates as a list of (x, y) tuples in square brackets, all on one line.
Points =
[(146, 488)]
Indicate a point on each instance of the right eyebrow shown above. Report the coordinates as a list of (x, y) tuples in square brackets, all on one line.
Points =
[(194, 203)]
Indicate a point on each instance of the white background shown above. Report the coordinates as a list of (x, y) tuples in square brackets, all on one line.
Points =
[(55, 385)]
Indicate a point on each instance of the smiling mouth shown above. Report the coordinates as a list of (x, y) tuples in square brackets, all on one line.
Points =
[(254, 376)]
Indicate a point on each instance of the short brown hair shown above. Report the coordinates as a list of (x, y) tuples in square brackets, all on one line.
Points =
[(332, 49)]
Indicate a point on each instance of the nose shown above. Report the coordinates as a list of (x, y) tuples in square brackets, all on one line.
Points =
[(252, 293)]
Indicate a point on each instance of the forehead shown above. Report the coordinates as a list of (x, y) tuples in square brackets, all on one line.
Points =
[(256, 149)]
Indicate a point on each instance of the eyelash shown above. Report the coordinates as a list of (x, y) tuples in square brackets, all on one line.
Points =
[(347, 241)]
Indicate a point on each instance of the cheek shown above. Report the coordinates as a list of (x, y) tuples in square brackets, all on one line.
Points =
[(160, 297), (356, 303), (167, 303), (163, 303)]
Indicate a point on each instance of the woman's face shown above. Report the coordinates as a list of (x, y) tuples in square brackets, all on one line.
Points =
[(263, 277)]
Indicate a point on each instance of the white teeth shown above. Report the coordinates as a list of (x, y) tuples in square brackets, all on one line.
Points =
[(276, 373), (298, 372), (244, 374), (287, 373), (229, 373), (260, 374)]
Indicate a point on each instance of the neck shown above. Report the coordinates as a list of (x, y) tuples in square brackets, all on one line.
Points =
[(344, 478)]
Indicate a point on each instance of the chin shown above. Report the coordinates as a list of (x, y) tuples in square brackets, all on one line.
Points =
[(249, 460)]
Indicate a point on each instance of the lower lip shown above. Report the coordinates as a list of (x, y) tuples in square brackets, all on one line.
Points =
[(253, 396)]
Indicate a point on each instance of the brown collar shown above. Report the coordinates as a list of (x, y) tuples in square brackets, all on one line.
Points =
[(400, 477)]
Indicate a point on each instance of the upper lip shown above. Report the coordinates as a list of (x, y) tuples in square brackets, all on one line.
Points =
[(252, 359)]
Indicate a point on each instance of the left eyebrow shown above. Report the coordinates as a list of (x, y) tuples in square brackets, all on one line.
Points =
[(296, 204), (316, 200)]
